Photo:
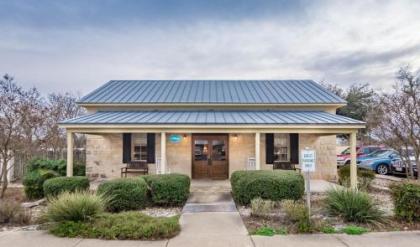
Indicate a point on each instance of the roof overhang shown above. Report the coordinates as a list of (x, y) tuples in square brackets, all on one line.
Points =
[(212, 121), (84, 104)]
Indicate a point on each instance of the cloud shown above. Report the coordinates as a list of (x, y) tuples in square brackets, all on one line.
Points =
[(336, 42)]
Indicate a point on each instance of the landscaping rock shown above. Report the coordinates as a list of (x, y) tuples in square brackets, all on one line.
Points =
[(33, 204)]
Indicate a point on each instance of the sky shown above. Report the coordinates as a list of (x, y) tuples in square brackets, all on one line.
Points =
[(76, 46)]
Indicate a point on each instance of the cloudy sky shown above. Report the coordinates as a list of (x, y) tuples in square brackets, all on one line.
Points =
[(78, 45)]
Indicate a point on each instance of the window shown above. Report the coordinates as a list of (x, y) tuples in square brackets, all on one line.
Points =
[(282, 147), (139, 144)]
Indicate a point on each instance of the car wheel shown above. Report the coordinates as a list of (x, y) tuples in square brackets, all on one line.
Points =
[(382, 169)]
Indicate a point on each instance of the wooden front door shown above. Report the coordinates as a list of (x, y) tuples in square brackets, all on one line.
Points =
[(210, 156)]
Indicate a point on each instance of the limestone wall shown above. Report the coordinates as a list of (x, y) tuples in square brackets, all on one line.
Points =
[(104, 154), (178, 155), (326, 159)]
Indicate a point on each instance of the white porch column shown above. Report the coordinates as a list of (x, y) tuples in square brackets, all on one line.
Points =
[(257, 151), (353, 160), (69, 154), (163, 152)]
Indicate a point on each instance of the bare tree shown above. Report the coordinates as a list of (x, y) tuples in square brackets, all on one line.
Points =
[(59, 108), (400, 116), (11, 101)]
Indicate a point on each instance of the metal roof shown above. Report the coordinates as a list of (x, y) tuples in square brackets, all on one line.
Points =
[(212, 92), (212, 117)]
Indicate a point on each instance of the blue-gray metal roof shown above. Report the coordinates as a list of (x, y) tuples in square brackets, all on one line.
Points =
[(212, 92), (212, 117)]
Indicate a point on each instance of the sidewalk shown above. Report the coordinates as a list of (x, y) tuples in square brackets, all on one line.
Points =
[(200, 238)]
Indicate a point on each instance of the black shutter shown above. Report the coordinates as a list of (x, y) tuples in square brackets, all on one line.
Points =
[(126, 148), (269, 148), (150, 147), (294, 148)]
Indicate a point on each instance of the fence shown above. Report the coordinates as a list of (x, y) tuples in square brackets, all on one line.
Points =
[(21, 160)]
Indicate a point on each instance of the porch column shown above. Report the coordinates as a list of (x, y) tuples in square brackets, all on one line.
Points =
[(69, 154), (162, 152), (353, 160), (257, 151)]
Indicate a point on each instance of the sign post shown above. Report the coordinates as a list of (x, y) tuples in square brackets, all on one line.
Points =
[(308, 166)]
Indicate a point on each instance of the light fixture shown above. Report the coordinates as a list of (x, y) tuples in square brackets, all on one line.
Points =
[(185, 136), (235, 137)]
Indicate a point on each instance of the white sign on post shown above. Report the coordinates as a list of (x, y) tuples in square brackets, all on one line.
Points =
[(308, 160)]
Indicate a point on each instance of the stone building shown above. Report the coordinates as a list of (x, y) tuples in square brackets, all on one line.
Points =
[(208, 129)]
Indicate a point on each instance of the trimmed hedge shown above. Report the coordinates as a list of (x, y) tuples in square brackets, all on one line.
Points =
[(55, 186), (124, 194), (168, 189), (364, 177), (34, 181), (269, 185), (406, 197)]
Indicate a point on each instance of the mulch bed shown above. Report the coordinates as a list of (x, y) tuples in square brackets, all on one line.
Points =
[(277, 219)]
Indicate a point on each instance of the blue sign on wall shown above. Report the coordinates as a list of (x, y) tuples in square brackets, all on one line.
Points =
[(175, 138)]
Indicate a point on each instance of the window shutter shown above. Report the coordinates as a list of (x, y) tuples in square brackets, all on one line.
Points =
[(126, 147), (269, 148), (294, 148), (150, 147)]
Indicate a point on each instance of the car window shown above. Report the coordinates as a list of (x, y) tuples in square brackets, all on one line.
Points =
[(378, 153)]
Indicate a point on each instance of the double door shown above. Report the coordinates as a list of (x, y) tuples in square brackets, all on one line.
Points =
[(210, 156)]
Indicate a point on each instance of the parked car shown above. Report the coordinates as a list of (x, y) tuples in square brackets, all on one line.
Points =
[(344, 157), (379, 161), (399, 167)]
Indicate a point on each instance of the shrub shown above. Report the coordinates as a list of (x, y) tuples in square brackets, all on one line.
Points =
[(168, 189), (55, 186), (33, 182), (406, 197), (260, 207), (77, 206), (124, 225), (271, 185), (353, 206), (124, 194), (12, 212), (364, 177), (58, 166), (297, 212), (354, 230)]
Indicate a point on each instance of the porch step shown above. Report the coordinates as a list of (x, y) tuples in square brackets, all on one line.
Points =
[(210, 197), (209, 207)]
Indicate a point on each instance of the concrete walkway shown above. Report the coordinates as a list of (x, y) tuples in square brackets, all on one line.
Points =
[(210, 218)]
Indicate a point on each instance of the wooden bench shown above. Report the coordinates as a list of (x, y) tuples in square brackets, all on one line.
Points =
[(140, 167)]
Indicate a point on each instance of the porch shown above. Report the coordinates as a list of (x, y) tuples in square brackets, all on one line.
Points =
[(210, 144)]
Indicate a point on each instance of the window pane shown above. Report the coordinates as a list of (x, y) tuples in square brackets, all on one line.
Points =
[(139, 145), (281, 147), (201, 149), (218, 150)]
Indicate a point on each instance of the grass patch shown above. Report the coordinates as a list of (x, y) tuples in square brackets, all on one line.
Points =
[(354, 230), (124, 225), (269, 231), (265, 231), (328, 230)]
